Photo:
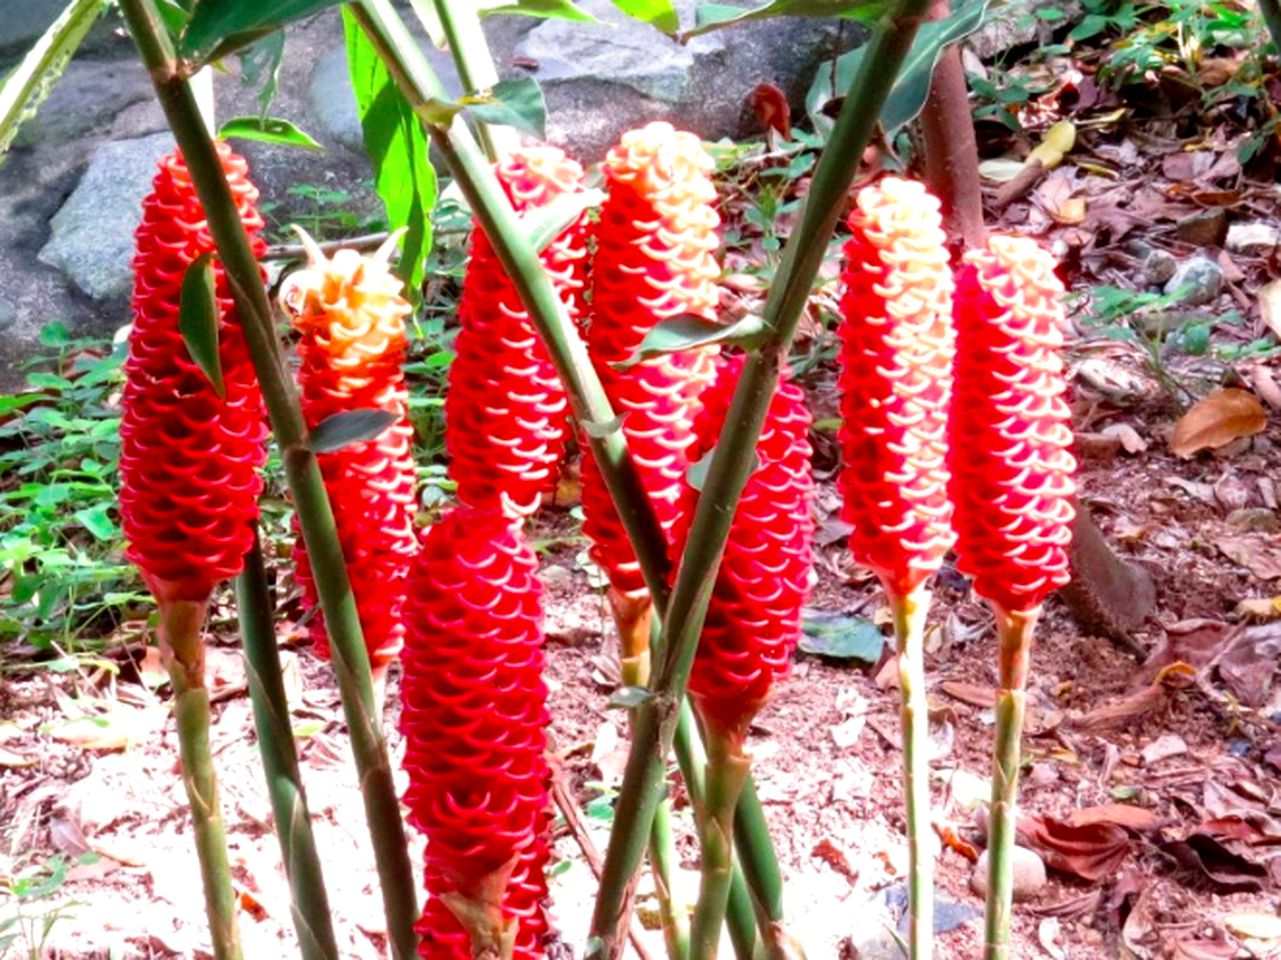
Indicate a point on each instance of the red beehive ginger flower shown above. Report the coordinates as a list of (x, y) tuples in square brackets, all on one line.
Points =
[(655, 259), (897, 347), (474, 717), (1011, 464), (506, 411), (351, 317), (754, 619), (189, 459)]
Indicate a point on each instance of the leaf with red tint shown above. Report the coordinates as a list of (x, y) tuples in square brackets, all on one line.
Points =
[(1092, 851), (769, 103), (1121, 814), (1227, 871)]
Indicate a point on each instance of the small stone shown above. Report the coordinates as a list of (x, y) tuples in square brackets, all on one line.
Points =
[(92, 236), (1207, 228), (1162, 748), (1196, 282), (1253, 238), (1158, 267), (1028, 869), (557, 576)]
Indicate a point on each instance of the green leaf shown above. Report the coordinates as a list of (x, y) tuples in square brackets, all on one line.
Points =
[(825, 633), (398, 150), (696, 475), (544, 224), (907, 96), (267, 130), (628, 698), (714, 16), (512, 103), (198, 317), (260, 64), (690, 330), (543, 9), (26, 85), (660, 14), (98, 522), (352, 426), (218, 27)]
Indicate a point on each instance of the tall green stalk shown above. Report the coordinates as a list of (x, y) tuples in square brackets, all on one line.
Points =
[(1014, 629), (311, 502), (182, 650), (731, 466), (727, 769), (909, 629), (470, 50), (310, 906)]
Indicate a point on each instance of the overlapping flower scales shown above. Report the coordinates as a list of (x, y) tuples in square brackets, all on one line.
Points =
[(754, 619), (506, 411), (351, 317), (897, 349), (189, 459), (474, 718), (1012, 468), (655, 259)]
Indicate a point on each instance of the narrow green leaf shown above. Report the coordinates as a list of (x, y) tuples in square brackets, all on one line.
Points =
[(543, 9), (544, 224), (714, 16), (690, 330), (907, 96), (214, 22), (696, 475), (198, 317), (267, 130), (352, 426), (825, 633), (398, 150), (260, 67), (33, 79), (659, 13), (512, 103), (628, 698)]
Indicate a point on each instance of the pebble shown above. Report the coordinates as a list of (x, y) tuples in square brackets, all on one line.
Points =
[(1253, 238), (1029, 874), (1196, 282), (1158, 267)]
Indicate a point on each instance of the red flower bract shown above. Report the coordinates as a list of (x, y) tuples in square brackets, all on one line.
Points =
[(896, 384), (474, 719), (1011, 465), (351, 315), (754, 619), (506, 413), (189, 459), (654, 260)]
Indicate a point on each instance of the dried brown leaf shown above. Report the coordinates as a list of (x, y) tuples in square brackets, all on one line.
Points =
[(1218, 419), (1134, 818), (1092, 851), (1258, 554)]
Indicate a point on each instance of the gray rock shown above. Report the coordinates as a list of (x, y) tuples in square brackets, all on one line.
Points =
[(1015, 24), (92, 240), (87, 97), (1196, 282), (1158, 267), (1029, 874), (332, 103), (23, 23), (1253, 238), (876, 944)]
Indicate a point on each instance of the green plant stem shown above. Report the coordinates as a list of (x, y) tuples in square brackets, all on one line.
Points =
[(727, 769), (1271, 10), (909, 629), (1014, 629), (312, 919), (311, 502), (182, 650), (758, 862), (731, 465), (470, 50)]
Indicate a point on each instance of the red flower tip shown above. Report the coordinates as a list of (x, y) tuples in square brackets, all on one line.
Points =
[(754, 619), (1011, 465), (655, 259), (474, 718), (189, 459), (351, 316), (506, 410), (896, 384)]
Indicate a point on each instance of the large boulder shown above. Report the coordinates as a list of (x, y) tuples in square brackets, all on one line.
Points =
[(92, 234)]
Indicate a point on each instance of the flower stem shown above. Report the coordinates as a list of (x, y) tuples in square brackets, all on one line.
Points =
[(1014, 629), (731, 466), (727, 769), (302, 472), (470, 50), (311, 914), (182, 650), (909, 629)]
